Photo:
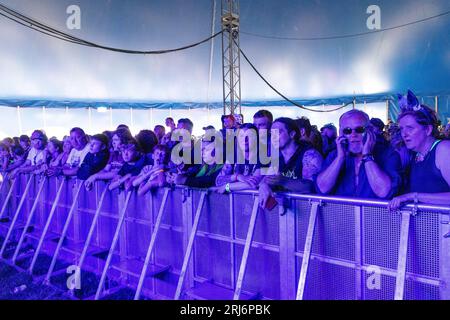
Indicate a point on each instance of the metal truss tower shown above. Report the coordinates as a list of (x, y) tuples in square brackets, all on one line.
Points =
[(231, 57)]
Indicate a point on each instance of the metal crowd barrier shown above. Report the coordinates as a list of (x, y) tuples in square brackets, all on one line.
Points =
[(186, 243)]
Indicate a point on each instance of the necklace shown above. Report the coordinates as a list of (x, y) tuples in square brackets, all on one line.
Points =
[(420, 157)]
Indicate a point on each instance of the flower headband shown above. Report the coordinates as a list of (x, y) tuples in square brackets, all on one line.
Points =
[(410, 102)]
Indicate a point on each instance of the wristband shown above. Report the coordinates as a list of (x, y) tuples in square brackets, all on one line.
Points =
[(227, 188), (367, 158)]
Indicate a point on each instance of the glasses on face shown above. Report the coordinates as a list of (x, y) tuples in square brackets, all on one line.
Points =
[(349, 131)]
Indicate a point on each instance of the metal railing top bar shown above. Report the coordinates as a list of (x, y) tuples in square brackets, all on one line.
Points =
[(344, 200), (339, 200)]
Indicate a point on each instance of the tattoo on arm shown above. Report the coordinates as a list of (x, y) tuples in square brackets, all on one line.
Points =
[(312, 164)]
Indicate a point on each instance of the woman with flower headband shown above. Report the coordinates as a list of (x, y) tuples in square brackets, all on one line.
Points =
[(430, 173)]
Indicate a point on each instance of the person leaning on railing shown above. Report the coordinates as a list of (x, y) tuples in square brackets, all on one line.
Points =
[(133, 164), (81, 147), (360, 167), (240, 176), (299, 163), (207, 172), (19, 153), (153, 176), (429, 180), (37, 155), (54, 154), (96, 159), (5, 157)]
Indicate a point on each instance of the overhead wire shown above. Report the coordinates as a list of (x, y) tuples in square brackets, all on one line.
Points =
[(347, 35), (282, 95), (49, 31)]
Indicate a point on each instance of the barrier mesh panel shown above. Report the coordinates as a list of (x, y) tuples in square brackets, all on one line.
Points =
[(263, 272), (215, 216), (381, 237), (169, 249), (421, 291), (267, 223), (376, 287), (327, 281), (173, 213), (423, 248), (213, 260), (334, 234)]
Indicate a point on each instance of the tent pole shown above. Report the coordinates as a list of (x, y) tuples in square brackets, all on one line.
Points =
[(131, 119), (19, 120), (387, 111), (436, 105), (151, 118), (90, 119), (110, 118), (211, 53), (44, 116)]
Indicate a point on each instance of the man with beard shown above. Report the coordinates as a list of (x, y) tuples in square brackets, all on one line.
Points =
[(360, 167)]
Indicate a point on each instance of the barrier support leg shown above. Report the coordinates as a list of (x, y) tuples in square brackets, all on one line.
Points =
[(30, 217), (92, 228), (233, 237), (8, 196), (307, 251), (359, 273), (402, 255), (46, 227), (113, 246), (63, 235), (190, 246), (151, 245), (16, 215), (245, 254), (3, 180), (287, 241)]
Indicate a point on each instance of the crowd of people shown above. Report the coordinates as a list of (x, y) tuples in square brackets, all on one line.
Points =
[(364, 158)]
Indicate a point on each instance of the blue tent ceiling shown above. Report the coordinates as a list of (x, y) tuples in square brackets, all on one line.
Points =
[(38, 70)]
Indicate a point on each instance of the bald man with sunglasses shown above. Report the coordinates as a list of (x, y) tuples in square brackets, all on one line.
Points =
[(360, 167)]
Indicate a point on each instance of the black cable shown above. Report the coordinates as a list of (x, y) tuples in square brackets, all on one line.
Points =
[(44, 32), (155, 51), (40, 27), (344, 36), (33, 22), (282, 95)]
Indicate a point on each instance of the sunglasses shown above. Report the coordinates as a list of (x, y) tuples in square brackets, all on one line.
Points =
[(348, 131)]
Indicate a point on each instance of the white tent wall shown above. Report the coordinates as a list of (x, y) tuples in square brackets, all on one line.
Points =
[(57, 122)]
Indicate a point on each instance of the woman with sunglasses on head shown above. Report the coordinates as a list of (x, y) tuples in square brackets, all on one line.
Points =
[(360, 167), (429, 180)]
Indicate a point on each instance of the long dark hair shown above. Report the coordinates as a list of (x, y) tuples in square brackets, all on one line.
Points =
[(290, 125)]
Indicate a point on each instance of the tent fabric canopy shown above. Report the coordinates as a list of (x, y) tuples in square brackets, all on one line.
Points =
[(332, 70)]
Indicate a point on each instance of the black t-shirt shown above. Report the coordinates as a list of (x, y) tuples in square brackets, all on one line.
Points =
[(294, 167), (133, 169), (92, 164)]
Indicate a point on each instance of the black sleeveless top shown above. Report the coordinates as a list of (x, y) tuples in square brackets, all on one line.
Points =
[(426, 177)]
